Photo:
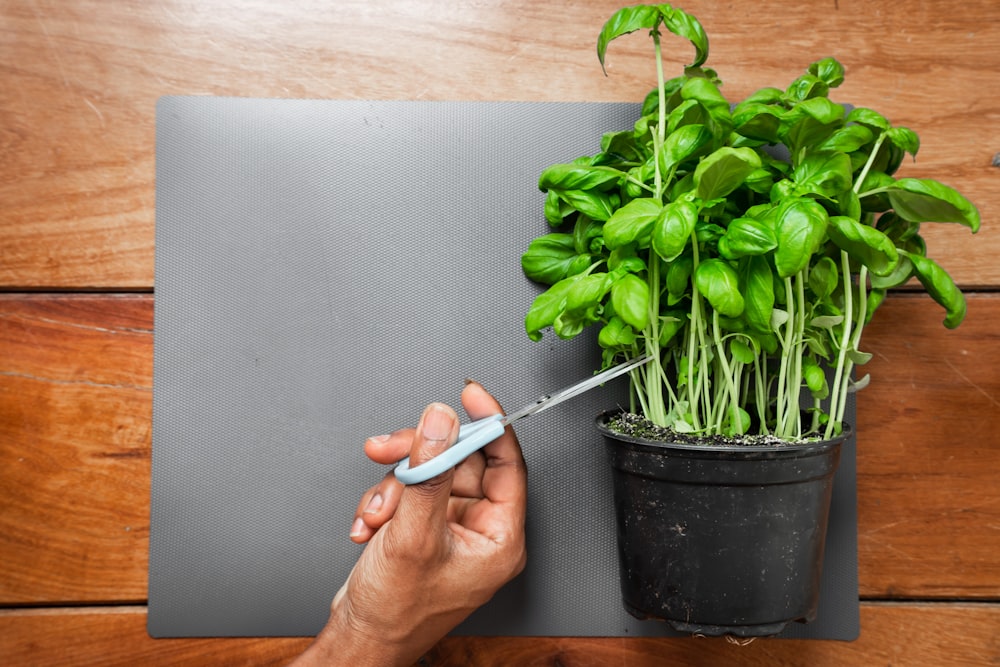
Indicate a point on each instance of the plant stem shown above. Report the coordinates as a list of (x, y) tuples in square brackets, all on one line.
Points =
[(655, 409), (868, 165), (795, 386), (839, 386), (781, 423), (696, 331), (734, 394)]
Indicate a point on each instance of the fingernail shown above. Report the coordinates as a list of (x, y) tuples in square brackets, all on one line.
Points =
[(357, 527), (374, 505), (378, 439), (437, 423)]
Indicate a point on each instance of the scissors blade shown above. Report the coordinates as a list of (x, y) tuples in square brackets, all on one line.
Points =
[(557, 397)]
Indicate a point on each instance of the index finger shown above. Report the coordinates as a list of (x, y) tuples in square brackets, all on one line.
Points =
[(390, 448), (505, 479)]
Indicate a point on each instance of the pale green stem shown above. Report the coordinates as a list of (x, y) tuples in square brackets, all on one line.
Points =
[(868, 165), (734, 394), (786, 352), (655, 408), (695, 344), (839, 386)]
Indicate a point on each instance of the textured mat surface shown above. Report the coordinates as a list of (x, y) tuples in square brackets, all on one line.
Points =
[(324, 269)]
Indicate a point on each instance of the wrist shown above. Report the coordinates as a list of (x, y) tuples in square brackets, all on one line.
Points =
[(345, 640), (342, 642)]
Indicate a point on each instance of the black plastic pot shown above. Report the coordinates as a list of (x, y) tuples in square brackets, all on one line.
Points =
[(721, 540)]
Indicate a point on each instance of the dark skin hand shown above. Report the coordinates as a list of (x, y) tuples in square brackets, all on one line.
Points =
[(436, 551)]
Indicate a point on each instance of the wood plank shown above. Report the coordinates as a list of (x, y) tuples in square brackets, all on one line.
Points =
[(912, 634), (75, 390), (928, 452), (81, 81), (75, 444)]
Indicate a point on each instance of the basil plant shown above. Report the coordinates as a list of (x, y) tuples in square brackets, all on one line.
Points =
[(744, 247)]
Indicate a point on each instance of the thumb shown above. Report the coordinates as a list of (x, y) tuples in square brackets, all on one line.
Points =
[(427, 502)]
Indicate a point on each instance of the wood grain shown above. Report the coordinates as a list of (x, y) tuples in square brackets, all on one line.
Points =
[(81, 79), (927, 428), (75, 377), (75, 400), (916, 635)]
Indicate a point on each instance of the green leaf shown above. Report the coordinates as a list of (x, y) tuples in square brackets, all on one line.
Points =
[(632, 223), (571, 323), (711, 108), (719, 284), (824, 277), (941, 288), (905, 139), (580, 264), (621, 145), (630, 19), (800, 229), (826, 321), (865, 244), (872, 191), (737, 422), (740, 351), (684, 25), (623, 22), (670, 326), (708, 94), (810, 122), (723, 171), (577, 177), (872, 119), (683, 143), (548, 258), (808, 86), (815, 379), (758, 121), (826, 174), (747, 236), (847, 139), (630, 299), (679, 278), (597, 205), (897, 277), (820, 109), (829, 70), (926, 200), (875, 298), (849, 204), (758, 293), (760, 180), (547, 306), (672, 229), (616, 334), (588, 291), (767, 95), (624, 259), (896, 228), (556, 209), (858, 357), (584, 232)]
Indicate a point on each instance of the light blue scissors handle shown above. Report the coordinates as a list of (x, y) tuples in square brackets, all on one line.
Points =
[(471, 437)]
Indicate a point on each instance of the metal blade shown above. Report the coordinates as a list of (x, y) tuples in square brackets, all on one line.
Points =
[(555, 398)]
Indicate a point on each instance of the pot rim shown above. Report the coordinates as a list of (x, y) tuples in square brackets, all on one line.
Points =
[(807, 446)]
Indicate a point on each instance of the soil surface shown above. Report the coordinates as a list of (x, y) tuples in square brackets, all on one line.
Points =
[(637, 426)]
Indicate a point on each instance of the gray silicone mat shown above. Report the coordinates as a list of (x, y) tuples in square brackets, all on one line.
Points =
[(324, 269)]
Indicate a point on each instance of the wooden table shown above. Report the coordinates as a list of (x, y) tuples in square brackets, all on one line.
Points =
[(80, 82)]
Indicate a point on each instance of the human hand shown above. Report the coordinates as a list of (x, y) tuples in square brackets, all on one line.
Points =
[(437, 550)]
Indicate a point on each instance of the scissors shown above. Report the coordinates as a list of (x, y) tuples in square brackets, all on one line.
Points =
[(477, 434)]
